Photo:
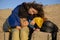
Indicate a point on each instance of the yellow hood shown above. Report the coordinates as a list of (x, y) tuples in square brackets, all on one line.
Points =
[(38, 21)]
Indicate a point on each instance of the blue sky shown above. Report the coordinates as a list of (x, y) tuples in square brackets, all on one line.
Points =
[(4, 4)]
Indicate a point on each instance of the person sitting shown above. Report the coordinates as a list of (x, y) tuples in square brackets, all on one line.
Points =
[(23, 32)]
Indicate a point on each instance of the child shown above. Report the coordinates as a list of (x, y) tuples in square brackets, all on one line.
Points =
[(37, 22), (21, 33)]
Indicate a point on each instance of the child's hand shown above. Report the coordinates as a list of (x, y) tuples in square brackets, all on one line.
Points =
[(33, 28), (37, 29), (32, 22), (18, 27)]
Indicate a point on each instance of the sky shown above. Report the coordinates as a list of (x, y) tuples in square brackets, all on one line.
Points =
[(11, 4)]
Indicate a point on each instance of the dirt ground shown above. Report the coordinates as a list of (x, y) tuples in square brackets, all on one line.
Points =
[(52, 12)]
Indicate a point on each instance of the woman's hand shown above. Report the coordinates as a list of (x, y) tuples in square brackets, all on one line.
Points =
[(18, 27)]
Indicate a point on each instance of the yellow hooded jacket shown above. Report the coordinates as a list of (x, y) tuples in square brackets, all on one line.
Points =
[(38, 21)]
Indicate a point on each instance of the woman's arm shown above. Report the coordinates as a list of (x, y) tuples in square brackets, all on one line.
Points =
[(13, 18)]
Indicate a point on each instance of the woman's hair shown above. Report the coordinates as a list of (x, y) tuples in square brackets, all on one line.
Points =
[(24, 7)]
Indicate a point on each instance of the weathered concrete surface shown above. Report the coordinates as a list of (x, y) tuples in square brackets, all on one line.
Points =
[(37, 35)]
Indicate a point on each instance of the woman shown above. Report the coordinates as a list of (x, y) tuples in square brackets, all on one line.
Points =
[(31, 9), (27, 8)]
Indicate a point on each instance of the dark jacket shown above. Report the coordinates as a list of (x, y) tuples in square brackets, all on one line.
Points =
[(14, 19)]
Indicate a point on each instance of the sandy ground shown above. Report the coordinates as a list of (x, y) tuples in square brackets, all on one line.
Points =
[(52, 12)]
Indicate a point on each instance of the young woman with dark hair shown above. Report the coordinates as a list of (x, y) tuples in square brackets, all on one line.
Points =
[(30, 10)]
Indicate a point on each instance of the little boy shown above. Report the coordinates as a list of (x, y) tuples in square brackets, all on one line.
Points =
[(22, 32), (37, 22)]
